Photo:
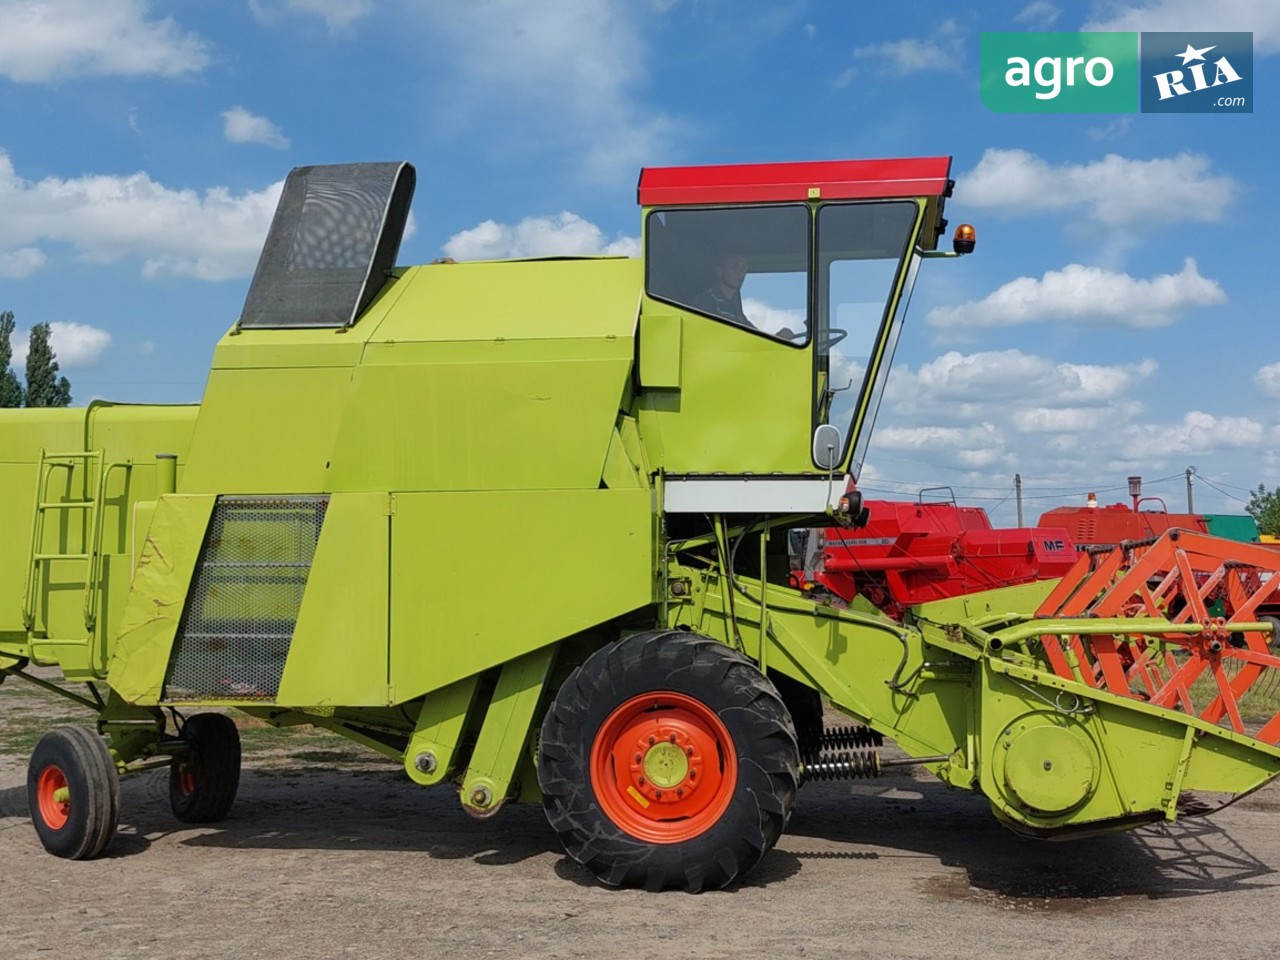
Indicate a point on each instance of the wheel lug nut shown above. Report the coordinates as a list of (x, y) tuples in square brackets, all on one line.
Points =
[(652, 741), (657, 794), (672, 738), (639, 758), (679, 791)]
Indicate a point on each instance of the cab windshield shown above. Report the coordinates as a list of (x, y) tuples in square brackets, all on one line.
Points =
[(861, 248)]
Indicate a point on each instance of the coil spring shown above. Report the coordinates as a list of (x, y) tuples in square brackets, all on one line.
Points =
[(858, 765), (850, 738)]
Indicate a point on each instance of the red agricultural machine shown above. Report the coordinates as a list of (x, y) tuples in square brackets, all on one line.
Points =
[(1145, 518), (915, 552)]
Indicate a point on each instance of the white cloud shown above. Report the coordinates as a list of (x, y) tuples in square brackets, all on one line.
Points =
[(241, 126), (1115, 190), (997, 376), (1268, 379), (976, 445), (1261, 17), (1112, 129), (1040, 13), (564, 235), (845, 77), (338, 15), (944, 50), (211, 236), (74, 345), (1086, 296), (1004, 410), (46, 40), (974, 420), (561, 74), (1072, 420), (1195, 435), (20, 263)]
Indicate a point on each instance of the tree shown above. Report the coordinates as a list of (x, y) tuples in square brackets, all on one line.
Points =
[(11, 393), (44, 387), (1264, 507)]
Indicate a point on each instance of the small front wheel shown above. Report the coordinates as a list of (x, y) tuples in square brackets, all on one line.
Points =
[(203, 781), (73, 792), (668, 761)]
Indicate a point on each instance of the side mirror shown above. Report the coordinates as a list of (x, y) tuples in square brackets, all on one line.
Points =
[(826, 446)]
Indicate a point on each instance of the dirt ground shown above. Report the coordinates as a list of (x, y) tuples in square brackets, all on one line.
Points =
[(332, 852)]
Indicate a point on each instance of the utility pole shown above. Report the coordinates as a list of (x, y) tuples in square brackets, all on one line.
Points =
[(1191, 505), (1017, 489)]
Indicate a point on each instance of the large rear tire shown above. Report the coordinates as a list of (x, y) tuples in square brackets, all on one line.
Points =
[(73, 792), (203, 782), (668, 760)]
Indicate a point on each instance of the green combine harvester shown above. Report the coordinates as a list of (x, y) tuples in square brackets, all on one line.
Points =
[(630, 443)]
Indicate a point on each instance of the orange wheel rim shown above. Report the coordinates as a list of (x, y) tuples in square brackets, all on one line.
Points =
[(186, 782), (663, 767), (53, 797)]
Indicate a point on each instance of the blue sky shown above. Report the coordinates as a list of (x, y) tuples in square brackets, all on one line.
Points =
[(1118, 317)]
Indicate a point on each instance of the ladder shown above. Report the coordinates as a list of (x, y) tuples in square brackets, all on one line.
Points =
[(92, 481)]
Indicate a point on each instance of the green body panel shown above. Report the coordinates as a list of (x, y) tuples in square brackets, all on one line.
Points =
[(75, 605), (294, 415), (661, 345), (569, 560), (592, 298), (735, 389), (140, 653), (339, 653), (478, 426)]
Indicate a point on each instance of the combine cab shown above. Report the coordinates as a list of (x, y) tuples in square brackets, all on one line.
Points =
[(644, 434)]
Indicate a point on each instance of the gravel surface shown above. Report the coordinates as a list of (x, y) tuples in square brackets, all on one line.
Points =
[(330, 852)]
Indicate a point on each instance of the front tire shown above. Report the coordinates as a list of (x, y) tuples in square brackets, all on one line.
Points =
[(668, 760), (73, 792), (203, 782)]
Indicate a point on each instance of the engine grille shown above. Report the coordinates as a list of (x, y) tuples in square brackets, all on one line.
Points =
[(244, 599)]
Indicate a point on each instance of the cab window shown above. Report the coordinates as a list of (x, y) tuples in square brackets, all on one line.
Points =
[(743, 266)]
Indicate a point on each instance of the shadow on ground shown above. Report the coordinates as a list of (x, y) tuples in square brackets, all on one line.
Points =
[(895, 817), (377, 809)]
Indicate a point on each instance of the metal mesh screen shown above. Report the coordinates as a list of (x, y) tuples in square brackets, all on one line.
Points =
[(334, 237), (244, 599)]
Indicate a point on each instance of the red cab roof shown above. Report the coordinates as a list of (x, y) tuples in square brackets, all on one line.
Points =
[(776, 182)]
